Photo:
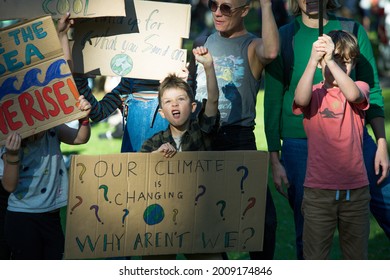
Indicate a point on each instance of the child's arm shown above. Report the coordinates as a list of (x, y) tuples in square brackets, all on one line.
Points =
[(347, 86), (63, 25), (77, 136), (304, 88), (11, 160), (203, 56)]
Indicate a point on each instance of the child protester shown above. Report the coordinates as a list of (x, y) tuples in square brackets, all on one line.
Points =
[(336, 190), (36, 178), (177, 103)]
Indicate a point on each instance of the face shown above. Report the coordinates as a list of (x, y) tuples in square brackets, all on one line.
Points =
[(227, 14), (346, 64), (310, 7), (176, 107)]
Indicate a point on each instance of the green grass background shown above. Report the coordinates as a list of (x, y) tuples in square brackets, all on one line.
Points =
[(379, 245)]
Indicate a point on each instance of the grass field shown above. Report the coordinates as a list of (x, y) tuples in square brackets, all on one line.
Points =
[(379, 245)]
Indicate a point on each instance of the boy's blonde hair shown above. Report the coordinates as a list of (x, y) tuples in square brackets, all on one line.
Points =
[(346, 44), (295, 10), (173, 81)]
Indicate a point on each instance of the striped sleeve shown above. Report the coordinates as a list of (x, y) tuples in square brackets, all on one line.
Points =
[(110, 102)]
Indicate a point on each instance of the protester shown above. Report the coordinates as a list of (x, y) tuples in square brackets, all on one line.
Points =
[(239, 59), (36, 176), (282, 76), (177, 103), (336, 193)]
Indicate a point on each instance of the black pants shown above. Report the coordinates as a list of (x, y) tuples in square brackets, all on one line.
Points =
[(243, 138), (35, 236), (5, 252)]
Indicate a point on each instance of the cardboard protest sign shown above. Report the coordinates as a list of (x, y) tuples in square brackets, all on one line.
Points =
[(37, 90), (135, 204), (147, 43), (28, 9)]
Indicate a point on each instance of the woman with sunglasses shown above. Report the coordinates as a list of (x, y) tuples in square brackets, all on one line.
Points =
[(239, 60), (281, 124)]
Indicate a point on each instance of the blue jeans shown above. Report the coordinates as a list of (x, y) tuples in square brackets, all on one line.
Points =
[(294, 160), (143, 121)]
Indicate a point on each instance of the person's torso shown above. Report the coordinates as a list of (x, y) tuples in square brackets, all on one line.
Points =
[(334, 129), (43, 178), (237, 86)]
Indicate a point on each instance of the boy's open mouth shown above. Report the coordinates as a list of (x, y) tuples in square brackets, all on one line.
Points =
[(176, 114)]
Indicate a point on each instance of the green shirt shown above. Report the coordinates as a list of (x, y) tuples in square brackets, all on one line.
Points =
[(279, 120)]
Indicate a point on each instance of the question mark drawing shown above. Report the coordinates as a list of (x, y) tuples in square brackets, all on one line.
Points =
[(77, 204), (252, 233), (105, 188), (124, 216), (96, 212), (223, 203), (83, 169), (175, 212), (243, 177), (202, 192), (252, 202)]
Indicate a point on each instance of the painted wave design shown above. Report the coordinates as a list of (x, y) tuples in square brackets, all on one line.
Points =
[(31, 79)]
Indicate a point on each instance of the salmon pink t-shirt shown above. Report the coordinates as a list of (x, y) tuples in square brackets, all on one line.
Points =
[(334, 129)]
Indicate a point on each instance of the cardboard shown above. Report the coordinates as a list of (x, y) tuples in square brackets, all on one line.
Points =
[(135, 204), (28, 9), (37, 90), (146, 44)]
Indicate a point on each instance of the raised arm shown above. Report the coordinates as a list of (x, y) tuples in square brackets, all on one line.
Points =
[(304, 88), (267, 48), (203, 56), (63, 25)]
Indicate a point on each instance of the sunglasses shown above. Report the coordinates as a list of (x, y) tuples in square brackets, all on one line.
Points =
[(225, 9)]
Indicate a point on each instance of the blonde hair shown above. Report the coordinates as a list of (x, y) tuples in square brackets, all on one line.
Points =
[(295, 10)]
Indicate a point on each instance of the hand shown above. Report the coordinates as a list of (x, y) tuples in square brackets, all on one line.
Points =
[(280, 178), (83, 104), (12, 144), (327, 46), (317, 51), (382, 161), (167, 149), (63, 25), (203, 56)]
